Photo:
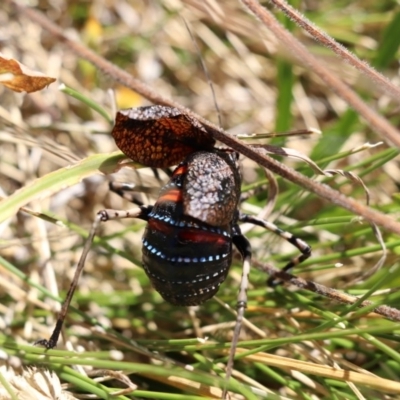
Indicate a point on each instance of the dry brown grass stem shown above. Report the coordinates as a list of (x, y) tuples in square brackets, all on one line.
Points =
[(333, 294), (127, 80), (382, 83), (377, 122)]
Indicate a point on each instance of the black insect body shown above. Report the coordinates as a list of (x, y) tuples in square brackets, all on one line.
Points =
[(187, 245), (192, 227)]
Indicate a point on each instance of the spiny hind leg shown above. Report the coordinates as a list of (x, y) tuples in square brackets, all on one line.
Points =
[(102, 216), (304, 248)]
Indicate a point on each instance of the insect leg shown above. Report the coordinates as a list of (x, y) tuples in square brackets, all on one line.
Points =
[(304, 248), (102, 216), (243, 245)]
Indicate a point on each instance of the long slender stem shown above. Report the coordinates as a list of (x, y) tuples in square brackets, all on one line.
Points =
[(382, 83), (377, 122), (333, 294), (126, 79)]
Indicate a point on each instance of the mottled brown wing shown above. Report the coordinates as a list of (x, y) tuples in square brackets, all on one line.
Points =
[(159, 136), (211, 188)]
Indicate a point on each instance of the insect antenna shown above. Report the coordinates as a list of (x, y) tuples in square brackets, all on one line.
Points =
[(206, 72)]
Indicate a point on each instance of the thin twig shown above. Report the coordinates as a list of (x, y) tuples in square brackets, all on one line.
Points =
[(333, 294), (382, 83), (127, 80), (376, 121)]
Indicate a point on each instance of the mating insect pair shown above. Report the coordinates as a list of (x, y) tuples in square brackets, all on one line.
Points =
[(187, 244)]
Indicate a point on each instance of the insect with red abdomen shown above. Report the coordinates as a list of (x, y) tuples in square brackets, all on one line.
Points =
[(187, 244), (192, 227)]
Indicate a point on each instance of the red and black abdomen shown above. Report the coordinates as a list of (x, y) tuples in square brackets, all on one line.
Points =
[(187, 257), (185, 265)]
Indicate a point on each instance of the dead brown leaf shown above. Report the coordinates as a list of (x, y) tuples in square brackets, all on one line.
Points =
[(20, 78)]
